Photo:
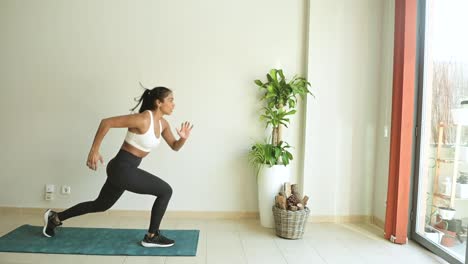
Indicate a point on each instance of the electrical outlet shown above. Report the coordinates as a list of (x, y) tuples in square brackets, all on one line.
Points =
[(66, 189), (50, 188), (48, 196)]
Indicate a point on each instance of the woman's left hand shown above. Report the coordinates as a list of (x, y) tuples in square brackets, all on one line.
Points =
[(184, 131)]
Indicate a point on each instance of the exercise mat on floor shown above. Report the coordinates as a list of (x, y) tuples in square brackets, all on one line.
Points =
[(96, 241)]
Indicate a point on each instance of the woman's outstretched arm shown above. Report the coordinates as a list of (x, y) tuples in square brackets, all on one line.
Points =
[(183, 132)]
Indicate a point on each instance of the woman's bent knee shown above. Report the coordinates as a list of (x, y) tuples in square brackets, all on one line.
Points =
[(168, 192), (165, 193)]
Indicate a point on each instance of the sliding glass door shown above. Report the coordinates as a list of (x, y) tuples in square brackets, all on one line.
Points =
[(440, 218)]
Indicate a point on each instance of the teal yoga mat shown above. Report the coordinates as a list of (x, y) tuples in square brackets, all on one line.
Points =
[(96, 241)]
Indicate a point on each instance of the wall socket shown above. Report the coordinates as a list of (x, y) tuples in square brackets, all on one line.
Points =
[(49, 192), (66, 189), (50, 188), (48, 196)]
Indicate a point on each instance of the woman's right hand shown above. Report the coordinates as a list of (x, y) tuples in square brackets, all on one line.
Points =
[(93, 158)]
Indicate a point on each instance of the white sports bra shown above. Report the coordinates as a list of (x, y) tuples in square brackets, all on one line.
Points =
[(147, 141)]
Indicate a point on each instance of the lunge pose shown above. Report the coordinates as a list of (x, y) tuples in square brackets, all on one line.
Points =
[(145, 130)]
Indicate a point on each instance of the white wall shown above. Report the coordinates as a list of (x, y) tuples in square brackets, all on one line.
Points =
[(65, 65), (384, 111), (344, 65)]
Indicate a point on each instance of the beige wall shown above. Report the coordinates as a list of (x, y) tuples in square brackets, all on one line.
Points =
[(344, 143), (65, 65), (384, 111)]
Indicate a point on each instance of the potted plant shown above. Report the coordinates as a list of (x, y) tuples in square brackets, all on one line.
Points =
[(446, 213), (433, 234), (272, 157), (462, 186), (433, 222)]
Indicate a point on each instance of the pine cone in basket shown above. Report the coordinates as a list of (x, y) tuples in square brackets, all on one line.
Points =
[(293, 200)]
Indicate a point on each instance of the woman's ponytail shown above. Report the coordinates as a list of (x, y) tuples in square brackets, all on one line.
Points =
[(140, 99), (149, 97)]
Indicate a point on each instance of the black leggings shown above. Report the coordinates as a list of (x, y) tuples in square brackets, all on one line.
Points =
[(123, 174)]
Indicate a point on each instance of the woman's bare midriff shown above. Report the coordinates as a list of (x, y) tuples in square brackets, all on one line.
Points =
[(137, 152)]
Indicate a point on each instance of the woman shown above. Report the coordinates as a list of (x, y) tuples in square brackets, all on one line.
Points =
[(144, 133)]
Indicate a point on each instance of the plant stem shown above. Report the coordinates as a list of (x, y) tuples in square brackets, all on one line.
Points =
[(280, 134), (275, 136)]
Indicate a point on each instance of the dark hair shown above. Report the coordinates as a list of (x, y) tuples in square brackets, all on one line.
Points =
[(149, 97)]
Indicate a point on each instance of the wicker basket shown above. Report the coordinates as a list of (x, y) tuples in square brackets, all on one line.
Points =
[(290, 224)]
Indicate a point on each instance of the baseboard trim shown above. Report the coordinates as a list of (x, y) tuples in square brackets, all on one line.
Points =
[(203, 215), (378, 222), (187, 214), (144, 213), (340, 219)]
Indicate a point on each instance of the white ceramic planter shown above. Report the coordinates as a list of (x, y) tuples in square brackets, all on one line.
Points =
[(434, 236), (270, 181), (446, 213)]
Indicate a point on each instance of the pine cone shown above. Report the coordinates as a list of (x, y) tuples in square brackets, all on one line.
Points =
[(293, 200)]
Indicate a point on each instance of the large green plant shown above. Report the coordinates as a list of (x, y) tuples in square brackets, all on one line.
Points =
[(281, 100), (280, 97), (269, 154)]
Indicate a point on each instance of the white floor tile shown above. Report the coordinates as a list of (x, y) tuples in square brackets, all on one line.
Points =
[(145, 260), (298, 252), (224, 247)]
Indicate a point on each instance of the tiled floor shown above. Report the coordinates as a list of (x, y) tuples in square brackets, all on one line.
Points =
[(240, 241)]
